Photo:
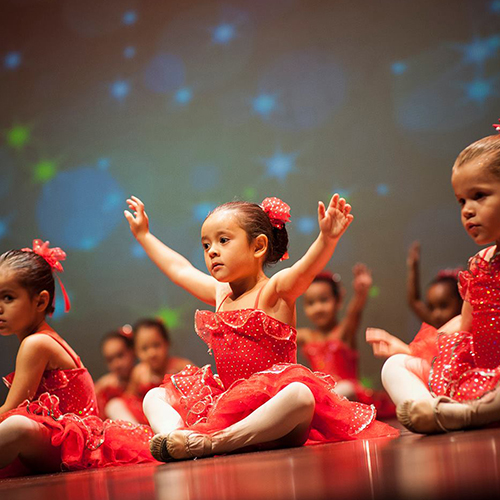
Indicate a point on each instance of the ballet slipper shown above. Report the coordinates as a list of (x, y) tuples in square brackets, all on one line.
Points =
[(425, 416), (180, 445)]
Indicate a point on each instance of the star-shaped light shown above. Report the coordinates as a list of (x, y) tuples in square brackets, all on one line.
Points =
[(280, 165)]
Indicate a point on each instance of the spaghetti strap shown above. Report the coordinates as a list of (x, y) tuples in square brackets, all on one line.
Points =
[(223, 300), (65, 346)]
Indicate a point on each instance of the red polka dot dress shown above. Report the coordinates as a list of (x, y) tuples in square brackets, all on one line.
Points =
[(466, 365), (255, 356), (65, 403)]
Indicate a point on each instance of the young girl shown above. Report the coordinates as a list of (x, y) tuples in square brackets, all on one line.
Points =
[(443, 300), (117, 349), (449, 381), (152, 345), (49, 420), (331, 346), (260, 396)]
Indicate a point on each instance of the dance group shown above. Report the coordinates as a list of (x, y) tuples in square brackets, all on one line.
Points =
[(165, 408)]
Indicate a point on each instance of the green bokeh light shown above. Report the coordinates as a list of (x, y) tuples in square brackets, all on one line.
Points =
[(374, 292), (18, 136), (171, 317), (44, 170)]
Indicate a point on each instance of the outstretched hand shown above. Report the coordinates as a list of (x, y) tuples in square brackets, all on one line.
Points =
[(139, 221), (334, 220), (413, 257), (362, 278), (384, 344)]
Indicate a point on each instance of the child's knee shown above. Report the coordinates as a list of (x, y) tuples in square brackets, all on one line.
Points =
[(302, 395), (392, 365), (18, 427)]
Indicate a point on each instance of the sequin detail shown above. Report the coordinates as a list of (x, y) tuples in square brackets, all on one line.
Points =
[(467, 365)]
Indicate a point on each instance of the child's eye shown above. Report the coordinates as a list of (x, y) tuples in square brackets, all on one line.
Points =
[(461, 202), (205, 246), (479, 195), (8, 298), (224, 240)]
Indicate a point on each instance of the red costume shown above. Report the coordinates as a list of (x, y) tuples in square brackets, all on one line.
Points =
[(65, 403), (336, 358), (466, 365), (255, 356)]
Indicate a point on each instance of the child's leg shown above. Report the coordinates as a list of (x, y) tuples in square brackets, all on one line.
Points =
[(282, 421), (116, 409), (162, 417), (346, 388), (402, 378), (23, 438)]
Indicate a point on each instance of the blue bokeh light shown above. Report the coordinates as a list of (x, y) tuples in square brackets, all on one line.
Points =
[(103, 163), (12, 60), (4, 227), (129, 18), (264, 104), (120, 89), (480, 89), (478, 51), (183, 96), (280, 165), (495, 6), (205, 177), (383, 189), (79, 208), (223, 33), (129, 52), (201, 210), (399, 67), (137, 251), (164, 73), (306, 224)]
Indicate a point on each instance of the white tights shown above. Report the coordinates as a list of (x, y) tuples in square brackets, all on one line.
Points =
[(401, 380), (282, 421)]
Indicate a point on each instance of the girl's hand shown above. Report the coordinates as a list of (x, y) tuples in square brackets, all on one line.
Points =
[(413, 258), (362, 278), (384, 344), (139, 222), (334, 220)]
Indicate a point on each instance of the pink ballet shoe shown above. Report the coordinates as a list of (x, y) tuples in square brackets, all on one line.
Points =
[(424, 416), (180, 445)]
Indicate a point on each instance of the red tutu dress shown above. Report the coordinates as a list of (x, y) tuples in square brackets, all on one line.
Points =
[(255, 356), (336, 358), (65, 403), (466, 365)]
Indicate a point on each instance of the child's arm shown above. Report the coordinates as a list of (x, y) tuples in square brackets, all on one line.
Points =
[(384, 344), (32, 359), (350, 323), (418, 306), (290, 283), (171, 263)]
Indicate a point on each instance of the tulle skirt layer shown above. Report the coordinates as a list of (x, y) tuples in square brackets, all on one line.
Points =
[(205, 405), (85, 442)]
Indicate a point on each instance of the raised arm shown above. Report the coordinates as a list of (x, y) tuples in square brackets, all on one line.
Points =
[(333, 220), (172, 264), (350, 323), (384, 344), (418, 306)]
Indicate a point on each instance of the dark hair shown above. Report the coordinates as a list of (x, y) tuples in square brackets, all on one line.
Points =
[(254, 221), (331, 280), (489, 147), (151, 323), (32, 272), (120, 335), (451, 282)]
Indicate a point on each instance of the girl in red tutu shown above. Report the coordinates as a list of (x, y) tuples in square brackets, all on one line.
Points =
[(448, 380), (331, 345), (260, 396), (49, 420), (117, 349)]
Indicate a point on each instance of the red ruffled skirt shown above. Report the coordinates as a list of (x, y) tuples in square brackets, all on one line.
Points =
[(204, 404), (85, 442)]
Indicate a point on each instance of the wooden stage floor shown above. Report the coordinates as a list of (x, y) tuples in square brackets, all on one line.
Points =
[(448, 466)]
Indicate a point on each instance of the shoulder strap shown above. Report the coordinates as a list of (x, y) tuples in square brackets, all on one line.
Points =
[(64, 345), (223, 300)]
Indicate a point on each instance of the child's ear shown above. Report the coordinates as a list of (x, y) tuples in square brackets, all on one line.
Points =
[(43, 301), (260, 245)]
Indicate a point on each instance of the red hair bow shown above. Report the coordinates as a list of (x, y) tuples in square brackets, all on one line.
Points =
[(278, 211), (53, 257), (497, 126)]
